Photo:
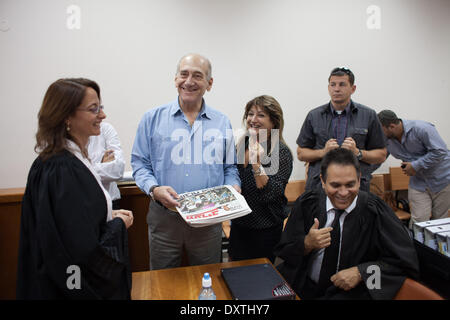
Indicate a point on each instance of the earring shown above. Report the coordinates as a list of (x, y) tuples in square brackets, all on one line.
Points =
[(68, 128)]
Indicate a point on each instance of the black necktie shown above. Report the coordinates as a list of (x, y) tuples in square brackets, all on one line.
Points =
[(330, 257)]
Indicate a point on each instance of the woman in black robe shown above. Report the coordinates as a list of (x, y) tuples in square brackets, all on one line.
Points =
[(72, 244)]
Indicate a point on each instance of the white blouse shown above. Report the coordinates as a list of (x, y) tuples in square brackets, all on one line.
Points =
[(75, 150), (112, 171)]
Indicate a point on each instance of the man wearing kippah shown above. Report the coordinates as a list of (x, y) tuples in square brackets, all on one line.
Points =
[(426, 159), (341, 123)]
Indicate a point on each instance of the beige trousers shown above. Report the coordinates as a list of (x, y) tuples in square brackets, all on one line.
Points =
[(428, 205)]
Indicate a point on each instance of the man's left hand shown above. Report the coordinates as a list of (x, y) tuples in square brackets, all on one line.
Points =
[(347, 279), (237, 188), (350, 144), (408, 169)]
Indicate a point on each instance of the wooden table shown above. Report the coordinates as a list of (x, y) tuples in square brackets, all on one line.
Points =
[(183, 283)]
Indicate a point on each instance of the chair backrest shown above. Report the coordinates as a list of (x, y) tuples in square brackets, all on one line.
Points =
[(377, 185), (399, 180), (413, 290)]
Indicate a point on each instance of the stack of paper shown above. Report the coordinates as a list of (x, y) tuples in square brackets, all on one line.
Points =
[(205, 207)]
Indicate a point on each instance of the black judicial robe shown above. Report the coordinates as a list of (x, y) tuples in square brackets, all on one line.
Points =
[(63, 223), (372, 235)]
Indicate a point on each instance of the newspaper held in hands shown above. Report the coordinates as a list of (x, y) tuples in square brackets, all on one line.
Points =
[(205, 207)]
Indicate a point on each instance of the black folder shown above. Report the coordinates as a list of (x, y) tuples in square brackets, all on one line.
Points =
[(257, 282)]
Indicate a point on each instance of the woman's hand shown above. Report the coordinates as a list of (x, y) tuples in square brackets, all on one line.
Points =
[(255, 152), (125, 215)]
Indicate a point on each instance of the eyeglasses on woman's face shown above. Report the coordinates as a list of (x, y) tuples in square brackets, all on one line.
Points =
[(95, 109)]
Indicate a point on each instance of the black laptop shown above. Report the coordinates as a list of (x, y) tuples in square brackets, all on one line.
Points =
[(257, 282)]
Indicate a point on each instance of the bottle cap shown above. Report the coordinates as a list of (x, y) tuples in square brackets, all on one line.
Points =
[(206, 281)]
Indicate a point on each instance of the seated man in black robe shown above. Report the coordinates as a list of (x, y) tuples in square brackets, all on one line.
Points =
[(365, 253)]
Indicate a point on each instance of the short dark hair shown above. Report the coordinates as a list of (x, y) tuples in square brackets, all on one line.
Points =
[(388, 117), (340, 156), (342, 71)]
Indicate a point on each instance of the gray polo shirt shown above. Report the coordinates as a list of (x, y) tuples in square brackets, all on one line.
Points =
[(362, 125)]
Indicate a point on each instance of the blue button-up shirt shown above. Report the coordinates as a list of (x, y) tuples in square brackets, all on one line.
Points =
[(424, 148), (167, 151)]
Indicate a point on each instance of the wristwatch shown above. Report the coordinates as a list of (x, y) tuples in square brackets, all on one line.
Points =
[(359, 155), (258, 171), (151, 190)]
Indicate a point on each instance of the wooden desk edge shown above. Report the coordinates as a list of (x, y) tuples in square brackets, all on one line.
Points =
[(223, 265), (137, 276), (11, 195)]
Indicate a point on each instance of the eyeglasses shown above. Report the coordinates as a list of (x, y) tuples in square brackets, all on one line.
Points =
[(94, 110)]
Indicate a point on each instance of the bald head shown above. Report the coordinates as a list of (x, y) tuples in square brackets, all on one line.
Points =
[(203, 61)]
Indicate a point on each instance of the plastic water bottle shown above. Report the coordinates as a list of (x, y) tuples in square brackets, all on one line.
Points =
[(207, 292)]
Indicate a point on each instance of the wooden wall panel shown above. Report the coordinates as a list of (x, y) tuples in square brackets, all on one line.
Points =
[(9, 247), (135, 200)]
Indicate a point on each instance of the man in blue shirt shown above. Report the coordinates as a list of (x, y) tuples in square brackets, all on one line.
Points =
[(426, 159), (183, 146)]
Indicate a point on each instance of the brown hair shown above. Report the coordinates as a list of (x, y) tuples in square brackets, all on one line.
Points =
[(271, 106), (61, 100)]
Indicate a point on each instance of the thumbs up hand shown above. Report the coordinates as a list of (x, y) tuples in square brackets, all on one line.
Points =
[(317, 238), (315, 225)]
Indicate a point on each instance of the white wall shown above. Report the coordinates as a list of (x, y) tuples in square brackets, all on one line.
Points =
[(284, 48)]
